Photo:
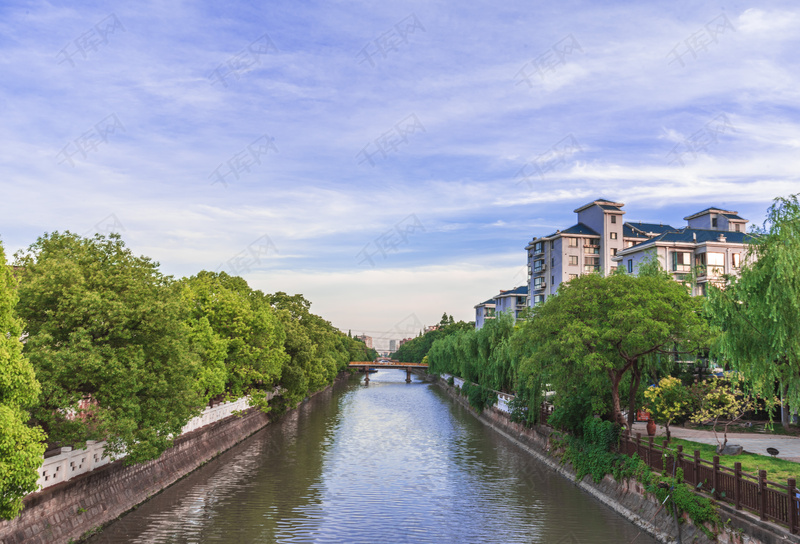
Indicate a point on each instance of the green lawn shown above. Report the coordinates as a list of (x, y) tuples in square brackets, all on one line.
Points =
[(778, 470)]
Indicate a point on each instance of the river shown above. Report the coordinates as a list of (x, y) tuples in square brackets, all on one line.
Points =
[(388, 462)]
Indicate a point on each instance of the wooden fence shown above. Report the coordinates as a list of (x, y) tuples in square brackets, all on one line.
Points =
[(770, 500)]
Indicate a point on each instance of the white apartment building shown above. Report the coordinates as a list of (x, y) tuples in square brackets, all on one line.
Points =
[(714, 243), (601, 240)]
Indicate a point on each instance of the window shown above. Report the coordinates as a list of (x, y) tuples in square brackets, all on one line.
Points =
[(737, 227), (682, 261), (538, 247), (573, 276), (538, 266), (591, 250), (538, 283), (573, 260), (630, 243), (715, 263), (630, 266), (613, 251), (552, 261), (573, 242), (713, 221), (613, 235), (538, 299), (552, 280), (736, 259), (613, 219), (552, 244), (591, 264)]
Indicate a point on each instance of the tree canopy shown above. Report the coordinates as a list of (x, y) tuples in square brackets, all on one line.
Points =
[(236, 332), (106, 338), (598, 329), (415, 349), (759, 312), (21, 446)]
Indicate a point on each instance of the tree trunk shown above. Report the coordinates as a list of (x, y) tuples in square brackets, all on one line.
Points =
[(786, 417), (616, 410), (635, 380)]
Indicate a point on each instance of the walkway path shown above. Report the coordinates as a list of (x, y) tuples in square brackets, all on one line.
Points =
[(788, 446)]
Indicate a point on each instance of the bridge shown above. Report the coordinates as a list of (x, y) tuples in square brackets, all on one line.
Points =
[(386, 363)]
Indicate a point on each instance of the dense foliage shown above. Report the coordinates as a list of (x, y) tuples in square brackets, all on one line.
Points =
[(21, 445), (106, 338), (482, 356), (759, 312), (123, 353), (415, 349)]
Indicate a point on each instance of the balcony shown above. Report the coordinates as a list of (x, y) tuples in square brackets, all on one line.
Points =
[(539, 269), (540, 286)]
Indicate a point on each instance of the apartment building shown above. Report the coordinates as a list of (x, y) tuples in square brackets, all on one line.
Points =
[(713, 244), (512, 301), (601, 241)]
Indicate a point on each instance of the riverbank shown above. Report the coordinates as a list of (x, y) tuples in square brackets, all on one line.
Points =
[(627, 498), (80, 507)]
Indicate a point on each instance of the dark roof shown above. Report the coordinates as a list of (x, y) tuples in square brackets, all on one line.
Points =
[(687, 235), (644, 228), (734, 216), (711, 209), (490, 301), (521, 290), (628, 231), (580, 228), (609, 207)]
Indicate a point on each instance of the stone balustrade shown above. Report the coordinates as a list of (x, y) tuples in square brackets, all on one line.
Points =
[(61, 466)]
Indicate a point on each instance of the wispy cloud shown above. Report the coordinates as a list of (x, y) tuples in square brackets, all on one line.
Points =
[(599, 73)]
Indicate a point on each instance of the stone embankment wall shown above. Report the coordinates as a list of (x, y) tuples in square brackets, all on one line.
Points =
[(71, 509), (628, 498)]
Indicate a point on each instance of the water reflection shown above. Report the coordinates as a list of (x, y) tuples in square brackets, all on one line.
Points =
[(388, 462)]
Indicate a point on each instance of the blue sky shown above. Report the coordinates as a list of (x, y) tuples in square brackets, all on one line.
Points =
[(390, 161)]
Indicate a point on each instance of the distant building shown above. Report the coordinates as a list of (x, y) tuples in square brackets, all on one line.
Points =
[(483, 312), (512, 301), (403, 341), (366, 339), (430, 328), (392, 345)]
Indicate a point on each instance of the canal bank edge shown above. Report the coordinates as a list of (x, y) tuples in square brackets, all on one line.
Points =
[(80, 507), (627, 498)]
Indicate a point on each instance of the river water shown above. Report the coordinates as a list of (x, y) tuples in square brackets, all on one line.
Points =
[(388, 462)]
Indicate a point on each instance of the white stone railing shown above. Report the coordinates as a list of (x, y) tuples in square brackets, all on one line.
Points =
[(216, 413), (70, 463), (502, 398)]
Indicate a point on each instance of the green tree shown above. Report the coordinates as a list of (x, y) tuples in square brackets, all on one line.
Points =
[(244, 349), (106, 339), (317, 350), (759, 312), (599, 329), (722, 398), (21, 446), (668, 401)]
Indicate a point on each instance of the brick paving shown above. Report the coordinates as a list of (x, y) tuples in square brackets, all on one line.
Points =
[(788, 446)]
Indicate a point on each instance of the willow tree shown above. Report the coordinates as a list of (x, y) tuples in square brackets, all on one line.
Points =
[(21, 446), (759, 312), (597, 330)]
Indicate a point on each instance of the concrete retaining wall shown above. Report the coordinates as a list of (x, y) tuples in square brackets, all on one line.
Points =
[(628, 498), (71, 509)]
